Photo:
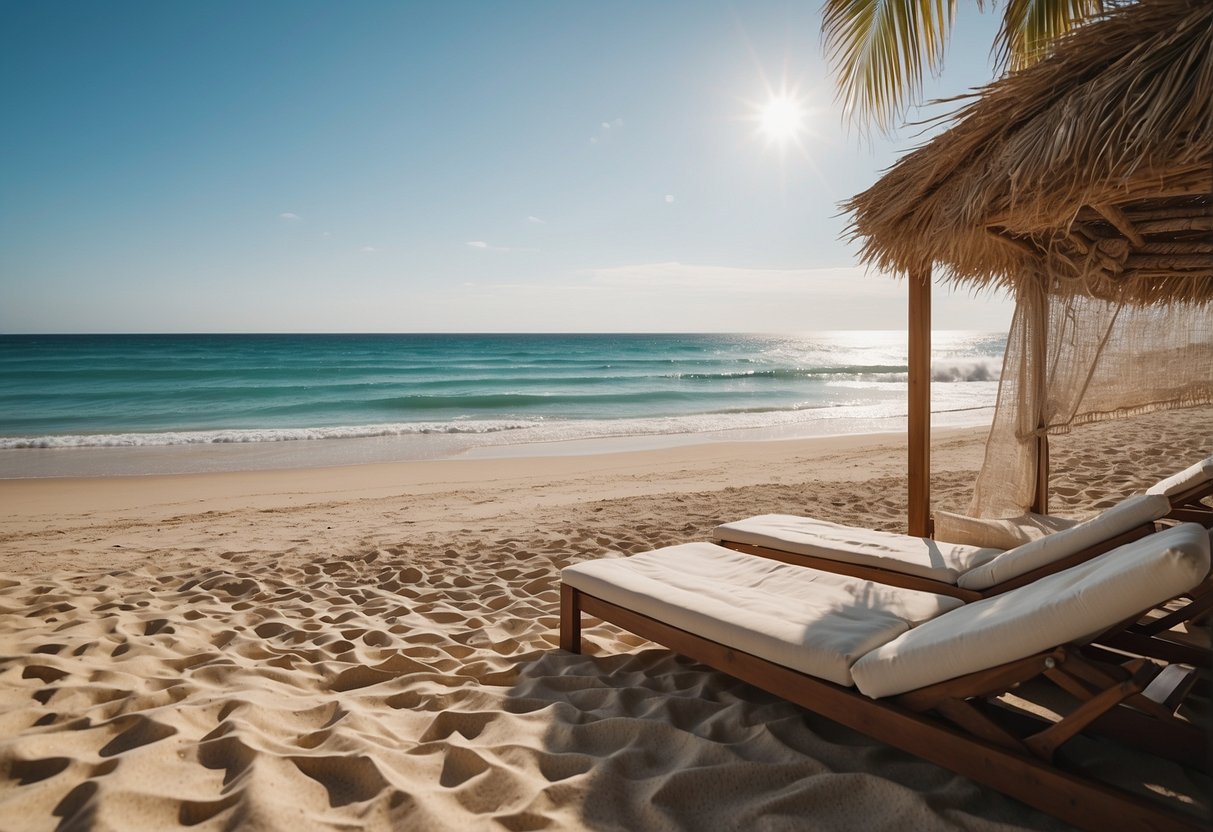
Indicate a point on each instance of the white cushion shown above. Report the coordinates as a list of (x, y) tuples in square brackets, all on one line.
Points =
[(1072, 605), (919, 556), (1190, 477), (1120, 518), (996, 533), (812, 621)]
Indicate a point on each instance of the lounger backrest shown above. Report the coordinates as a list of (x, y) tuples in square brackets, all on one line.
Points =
[(1188, 478), (1072, 605), (1120, 518)]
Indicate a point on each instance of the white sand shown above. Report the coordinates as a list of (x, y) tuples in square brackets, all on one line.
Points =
[(374, 646)]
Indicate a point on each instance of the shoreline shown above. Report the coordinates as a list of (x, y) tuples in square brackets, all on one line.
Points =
[(699, 465), (151, 460)]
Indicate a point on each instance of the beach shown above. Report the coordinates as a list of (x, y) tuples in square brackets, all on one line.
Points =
[(375, 645)]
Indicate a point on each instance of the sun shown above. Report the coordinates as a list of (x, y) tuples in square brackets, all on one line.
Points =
[(782, 119)]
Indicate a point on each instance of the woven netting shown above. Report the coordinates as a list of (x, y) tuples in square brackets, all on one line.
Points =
[(1072, 360)]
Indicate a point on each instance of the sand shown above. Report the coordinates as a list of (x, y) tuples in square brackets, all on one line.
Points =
[(375, 646)]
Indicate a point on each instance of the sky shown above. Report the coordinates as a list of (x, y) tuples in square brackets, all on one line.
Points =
[(447, 166)]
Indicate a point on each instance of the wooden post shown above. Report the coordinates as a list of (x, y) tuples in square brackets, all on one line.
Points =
[(919, 421), (1040, 504), (1040, 380)]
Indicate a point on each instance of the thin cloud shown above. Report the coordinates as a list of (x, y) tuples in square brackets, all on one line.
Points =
[(843, 281), (536, 220), (606, 130), (289, 215), (483, 246), (669, 199), (368, 249)]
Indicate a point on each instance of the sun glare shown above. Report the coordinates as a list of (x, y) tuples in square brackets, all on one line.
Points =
[(782, 119)]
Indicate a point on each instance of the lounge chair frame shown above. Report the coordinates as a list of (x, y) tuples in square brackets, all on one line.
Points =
[(1186, 506), (942, 725)]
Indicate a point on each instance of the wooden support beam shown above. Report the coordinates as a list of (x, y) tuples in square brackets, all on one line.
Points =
[(1177, 262), (1039, 367), (1118, 219), (1040, 504), (570, 619), (1144, 214), (1200, 223), (919, 413), (1179, 247), (1022, 244)]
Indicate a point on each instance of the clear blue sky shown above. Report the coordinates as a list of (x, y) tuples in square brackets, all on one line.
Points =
[(457, 166)]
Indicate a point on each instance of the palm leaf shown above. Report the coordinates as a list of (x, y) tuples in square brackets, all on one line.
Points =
[(879, 48), (1030, 26)]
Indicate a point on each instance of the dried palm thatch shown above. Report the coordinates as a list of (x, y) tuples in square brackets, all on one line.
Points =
[(1090, 171)]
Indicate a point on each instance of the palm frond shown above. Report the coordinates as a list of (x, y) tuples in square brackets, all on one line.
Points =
[(880, 47), (1030, 27)]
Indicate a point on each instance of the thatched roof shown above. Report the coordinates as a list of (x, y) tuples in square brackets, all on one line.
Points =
[(1093, 167)]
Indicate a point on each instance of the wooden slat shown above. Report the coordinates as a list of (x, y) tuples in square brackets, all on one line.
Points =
[(1191, 497), (1138, 215), (1169, 262), (973, 721), (1171, 686), (1203, 223), (1046, 743), (1200, 599), (1204, 516), (1178, 247), (1157, 647), (983, 683), (1182, 742)]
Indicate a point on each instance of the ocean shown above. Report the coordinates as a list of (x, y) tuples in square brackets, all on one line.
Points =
[(425, 396)]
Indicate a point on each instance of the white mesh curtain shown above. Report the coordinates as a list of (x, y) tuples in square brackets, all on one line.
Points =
[(1072, 360)]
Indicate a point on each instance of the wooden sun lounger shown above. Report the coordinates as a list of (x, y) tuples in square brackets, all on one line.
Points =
[(945, 726), (1145, 638), (961, 570), (957, 725), (893, 578)]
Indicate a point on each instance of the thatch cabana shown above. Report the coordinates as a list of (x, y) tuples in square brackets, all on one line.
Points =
[(1081, 184)]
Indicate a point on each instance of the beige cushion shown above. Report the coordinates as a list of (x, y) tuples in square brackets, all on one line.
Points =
[(811, 621), (1190, 477), (1073, 605), (1120, 518), (919, 556), (1002, 533)]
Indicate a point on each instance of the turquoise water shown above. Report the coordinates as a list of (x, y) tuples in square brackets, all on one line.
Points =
[(161, 390)]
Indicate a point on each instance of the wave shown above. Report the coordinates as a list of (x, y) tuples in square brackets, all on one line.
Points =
[(954, 371), (513, 431), (254, 435), (961, 371)]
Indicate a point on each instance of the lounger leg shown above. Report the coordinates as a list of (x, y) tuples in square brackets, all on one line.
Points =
[(570, 619)]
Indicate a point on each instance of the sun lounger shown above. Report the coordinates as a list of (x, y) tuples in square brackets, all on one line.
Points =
[(918, 670), (966, 572), (1186, 490)]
